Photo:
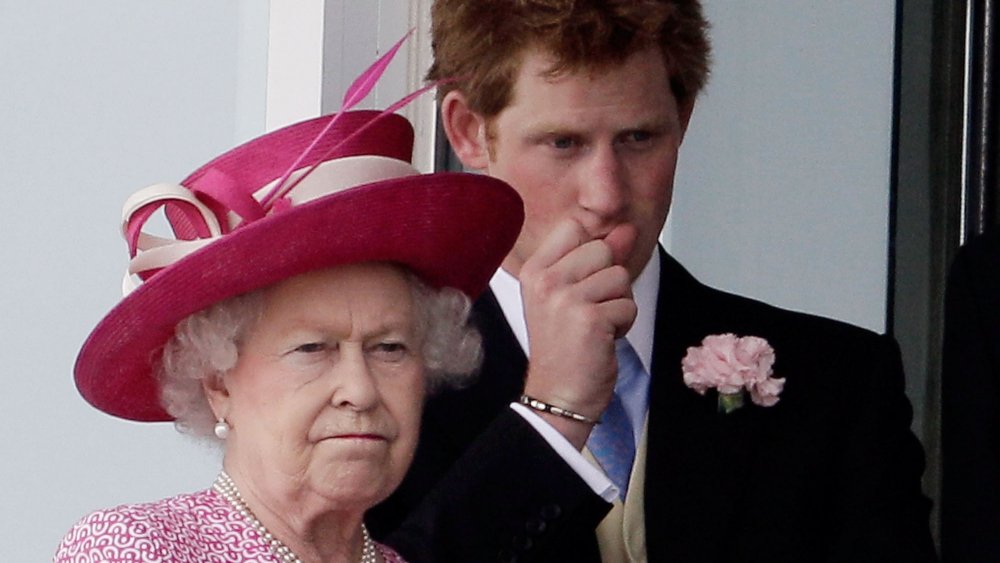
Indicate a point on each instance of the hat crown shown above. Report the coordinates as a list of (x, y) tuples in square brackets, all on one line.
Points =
[(236, 188), (261, 161)]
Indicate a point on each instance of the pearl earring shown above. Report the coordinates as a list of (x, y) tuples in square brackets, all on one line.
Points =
[(221, 429)]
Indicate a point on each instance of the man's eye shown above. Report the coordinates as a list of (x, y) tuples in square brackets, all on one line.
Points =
[(638, 136), (563, 143)]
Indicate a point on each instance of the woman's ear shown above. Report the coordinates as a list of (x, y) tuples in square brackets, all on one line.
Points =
[(466, 130), (214, 387)]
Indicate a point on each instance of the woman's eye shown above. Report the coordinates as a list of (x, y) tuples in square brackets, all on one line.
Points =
[(311, 347), (390, 350)]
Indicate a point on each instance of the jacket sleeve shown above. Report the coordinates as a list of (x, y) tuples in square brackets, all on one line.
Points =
[(881, 511), (509, 497)]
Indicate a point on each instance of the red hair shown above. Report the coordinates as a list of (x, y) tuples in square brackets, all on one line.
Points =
[(479, 43)]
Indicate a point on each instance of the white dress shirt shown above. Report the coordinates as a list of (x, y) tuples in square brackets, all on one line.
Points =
[(507, 290)]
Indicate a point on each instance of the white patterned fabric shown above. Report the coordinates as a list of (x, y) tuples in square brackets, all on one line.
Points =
[(201, 527)]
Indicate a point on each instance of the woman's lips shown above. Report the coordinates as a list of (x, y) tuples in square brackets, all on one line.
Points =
[(358, 437)]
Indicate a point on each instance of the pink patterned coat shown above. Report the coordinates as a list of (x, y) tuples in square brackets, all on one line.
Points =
[(201, 527)]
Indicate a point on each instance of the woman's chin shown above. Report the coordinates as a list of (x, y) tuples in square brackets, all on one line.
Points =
[(359, 483), (354, 497)]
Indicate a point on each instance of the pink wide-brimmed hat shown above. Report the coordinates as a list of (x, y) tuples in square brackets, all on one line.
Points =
[(303, 198)]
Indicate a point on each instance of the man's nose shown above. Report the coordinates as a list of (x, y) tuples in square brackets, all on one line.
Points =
[(353, 382), (603, 186)]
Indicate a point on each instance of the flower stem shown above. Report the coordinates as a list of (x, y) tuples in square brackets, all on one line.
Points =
[(728, 402)]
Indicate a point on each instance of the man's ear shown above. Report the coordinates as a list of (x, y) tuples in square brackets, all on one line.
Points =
[(466, 131)]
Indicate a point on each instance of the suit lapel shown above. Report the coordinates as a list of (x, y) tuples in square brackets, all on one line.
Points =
[(503, 355), (694, 470), (453, 420)]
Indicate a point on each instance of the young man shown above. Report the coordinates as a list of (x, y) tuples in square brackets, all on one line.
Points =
[(582, 107)]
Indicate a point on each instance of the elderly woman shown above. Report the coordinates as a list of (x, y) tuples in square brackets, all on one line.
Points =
[(317, 288)]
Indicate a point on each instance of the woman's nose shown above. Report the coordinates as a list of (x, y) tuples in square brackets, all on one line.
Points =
[(353, 382)]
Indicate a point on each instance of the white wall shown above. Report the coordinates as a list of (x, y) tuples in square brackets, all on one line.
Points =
[(783, 185), (99, 98)]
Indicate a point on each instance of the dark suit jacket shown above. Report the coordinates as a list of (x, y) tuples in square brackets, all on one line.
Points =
[(830, 473), (970, 417)]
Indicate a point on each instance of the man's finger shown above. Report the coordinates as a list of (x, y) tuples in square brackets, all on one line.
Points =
[(605, 285), (620, 313), (584, 261), (564, 236)]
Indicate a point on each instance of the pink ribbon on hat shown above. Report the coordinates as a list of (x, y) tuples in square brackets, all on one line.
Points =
[(213, 209)]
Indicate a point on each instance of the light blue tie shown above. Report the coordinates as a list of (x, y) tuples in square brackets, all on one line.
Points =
[(612, 442)]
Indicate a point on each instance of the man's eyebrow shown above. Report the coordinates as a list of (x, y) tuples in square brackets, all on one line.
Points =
[(548, 126), (653, 123), (548, 130), (542, 130)]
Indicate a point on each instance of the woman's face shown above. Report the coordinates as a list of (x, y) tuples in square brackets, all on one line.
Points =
[(325, 399)]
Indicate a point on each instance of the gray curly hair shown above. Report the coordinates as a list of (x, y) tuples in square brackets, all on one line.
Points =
[(206, 344)]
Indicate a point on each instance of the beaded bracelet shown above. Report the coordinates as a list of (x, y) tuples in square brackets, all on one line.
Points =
[(541, 406)]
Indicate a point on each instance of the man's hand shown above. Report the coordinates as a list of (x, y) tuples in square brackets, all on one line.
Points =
[(577, 301)]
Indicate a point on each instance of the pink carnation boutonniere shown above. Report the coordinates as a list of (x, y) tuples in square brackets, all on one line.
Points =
[(733, 365)]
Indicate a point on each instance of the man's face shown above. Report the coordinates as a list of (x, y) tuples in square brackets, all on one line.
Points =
[(598, 146)]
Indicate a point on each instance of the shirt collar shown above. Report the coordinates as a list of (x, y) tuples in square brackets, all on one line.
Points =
[(507, 290)]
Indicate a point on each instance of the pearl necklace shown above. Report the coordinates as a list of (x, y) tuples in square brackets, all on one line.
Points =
[(225, 486)]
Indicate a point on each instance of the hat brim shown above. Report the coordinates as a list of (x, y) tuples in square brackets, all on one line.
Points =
[(451, 230)]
